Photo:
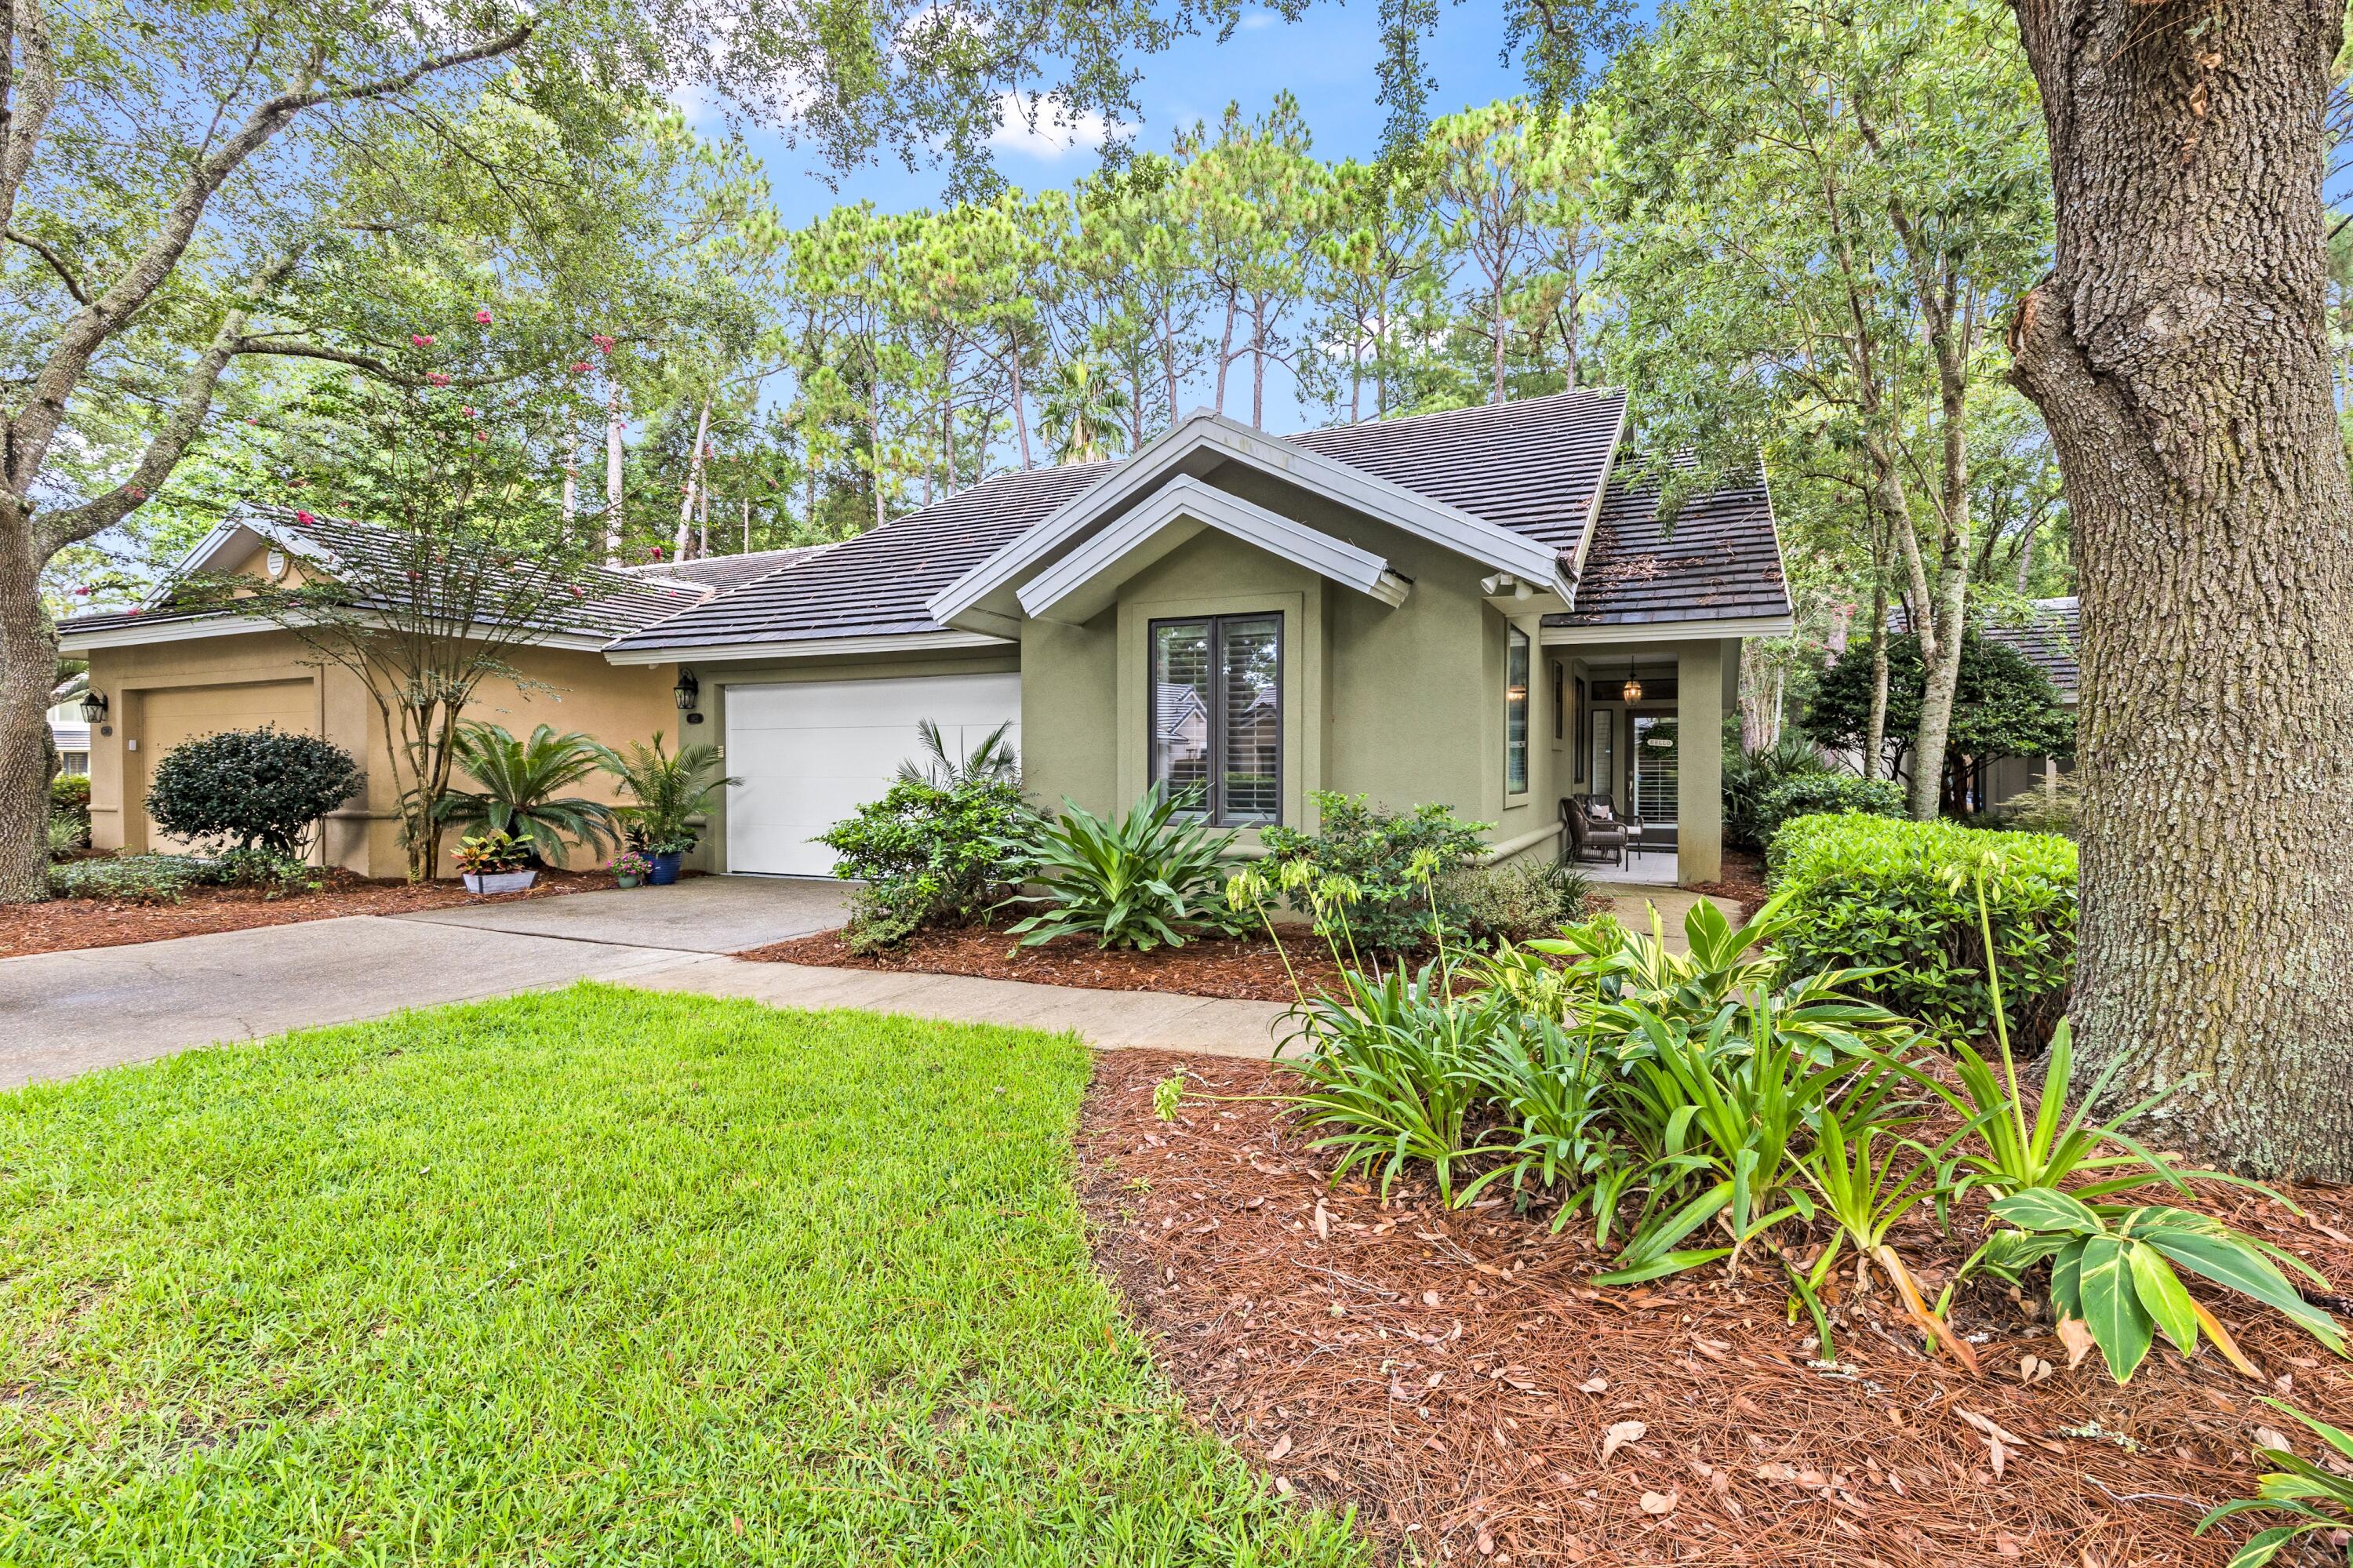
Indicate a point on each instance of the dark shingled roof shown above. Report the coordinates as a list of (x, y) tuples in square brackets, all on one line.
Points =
[(1530, 466), (720, 573), (878, 583), (617, 601), (1719, 559), (2049, 640)]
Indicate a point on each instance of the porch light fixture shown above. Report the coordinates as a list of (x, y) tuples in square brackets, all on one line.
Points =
[(93, 706), (1632, 690), (688, 690)]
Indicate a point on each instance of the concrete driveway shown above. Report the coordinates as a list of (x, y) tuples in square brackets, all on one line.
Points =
[(63, 1013)]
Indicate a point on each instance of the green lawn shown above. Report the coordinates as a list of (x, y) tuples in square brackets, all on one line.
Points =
[(599, 1276)]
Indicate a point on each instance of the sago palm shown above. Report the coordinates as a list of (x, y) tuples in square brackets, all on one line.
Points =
[(520, 781)]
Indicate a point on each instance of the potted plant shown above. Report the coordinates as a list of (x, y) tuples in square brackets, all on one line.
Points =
[(668, 792), (629, 868), (494, 863)]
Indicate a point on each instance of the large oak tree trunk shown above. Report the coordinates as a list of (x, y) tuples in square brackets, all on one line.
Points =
[(2179, 356), (28, 666)]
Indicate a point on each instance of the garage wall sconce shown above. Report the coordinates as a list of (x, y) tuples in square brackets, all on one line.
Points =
[(93, 707), (689, 692)]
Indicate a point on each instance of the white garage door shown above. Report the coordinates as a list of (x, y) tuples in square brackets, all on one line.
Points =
[(810, 753)]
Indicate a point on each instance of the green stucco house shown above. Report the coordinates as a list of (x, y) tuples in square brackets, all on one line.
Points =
[(1466, 607)]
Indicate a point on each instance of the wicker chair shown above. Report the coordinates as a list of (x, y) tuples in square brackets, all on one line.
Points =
[(1588, 841)]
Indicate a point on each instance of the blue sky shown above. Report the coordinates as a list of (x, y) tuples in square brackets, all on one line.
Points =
[(1328, 60)]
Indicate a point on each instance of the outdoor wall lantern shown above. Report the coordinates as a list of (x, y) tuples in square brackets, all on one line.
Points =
[(688, 690), (93, 706)]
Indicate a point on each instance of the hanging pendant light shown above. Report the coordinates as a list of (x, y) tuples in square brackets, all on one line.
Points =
[(1632, 690)]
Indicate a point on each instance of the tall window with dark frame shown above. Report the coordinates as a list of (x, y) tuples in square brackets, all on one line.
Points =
[(1515, 714), (1215, 714)]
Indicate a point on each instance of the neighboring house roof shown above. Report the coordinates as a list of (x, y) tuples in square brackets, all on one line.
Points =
[(1718, 558), (725, 572), (615, 600), (2048, 639)]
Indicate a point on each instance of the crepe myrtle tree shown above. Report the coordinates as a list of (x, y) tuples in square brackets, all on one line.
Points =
[(463, 566)]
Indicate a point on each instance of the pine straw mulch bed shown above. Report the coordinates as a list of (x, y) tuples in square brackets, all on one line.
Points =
[(1451, 1376), (1248, 970), (64, 924), (1739, 884)]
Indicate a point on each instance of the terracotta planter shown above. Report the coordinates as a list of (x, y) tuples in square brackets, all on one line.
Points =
[(499, 881)]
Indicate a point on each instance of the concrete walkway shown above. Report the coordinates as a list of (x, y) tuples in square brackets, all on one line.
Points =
[(1109, 1019), (67, 1014)]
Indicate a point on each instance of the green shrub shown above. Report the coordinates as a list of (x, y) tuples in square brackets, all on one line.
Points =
[(70, 797), (131, 878), (1374, 849), (1151, 878), (2038, 809), (274, 873), (1876, 893), (66, 835), (928, 857), (1811, 794), (1748, 774), (1513, 902), (254, 789)]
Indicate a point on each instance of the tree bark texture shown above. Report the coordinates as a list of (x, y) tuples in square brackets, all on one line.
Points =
[(28, 664), (2178, 353)]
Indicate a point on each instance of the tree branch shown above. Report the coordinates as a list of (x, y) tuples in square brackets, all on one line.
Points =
[(72, 524), (57, 263), (30, 434)]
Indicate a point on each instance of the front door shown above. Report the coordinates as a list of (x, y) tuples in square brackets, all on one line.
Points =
[(1652, 783)]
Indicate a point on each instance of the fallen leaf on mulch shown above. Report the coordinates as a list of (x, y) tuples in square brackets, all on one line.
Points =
[(1618, 1437), (1863, 1461), (1660, 1502)]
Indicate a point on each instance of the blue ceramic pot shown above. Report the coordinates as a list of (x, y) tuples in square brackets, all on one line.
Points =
[(665, 869)]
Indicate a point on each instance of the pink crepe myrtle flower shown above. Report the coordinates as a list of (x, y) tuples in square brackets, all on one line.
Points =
[(305, 519), (138, 493), (134, 612), (579, 367), (436, 378), (420, 340), (604, 344), (84, 592), (656, 550), (482, 318), (412, 577), (482, 434), (471, 411), (579, 593)]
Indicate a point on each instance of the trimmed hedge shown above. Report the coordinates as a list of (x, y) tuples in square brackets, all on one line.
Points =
[(1808, 793), (1878, 892)]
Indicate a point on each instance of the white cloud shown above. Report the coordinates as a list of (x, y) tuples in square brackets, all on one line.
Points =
[(1251, 21), (1042, 128)]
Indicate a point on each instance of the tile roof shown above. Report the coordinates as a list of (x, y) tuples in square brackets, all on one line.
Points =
[(878, 583), (2049, 637), (1532, 466), (721, 573), (617, 601), (1719, 558)]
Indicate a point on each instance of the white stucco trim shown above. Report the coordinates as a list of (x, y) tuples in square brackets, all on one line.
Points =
[(1084, 582), (808, 648), (1204, 433), (1668, 631), (197, 628)]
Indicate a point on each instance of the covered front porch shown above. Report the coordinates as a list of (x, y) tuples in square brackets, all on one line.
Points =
[(1636, 731)]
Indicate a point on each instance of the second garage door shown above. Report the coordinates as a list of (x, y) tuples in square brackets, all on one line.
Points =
[(177, 714), (810, 753)]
